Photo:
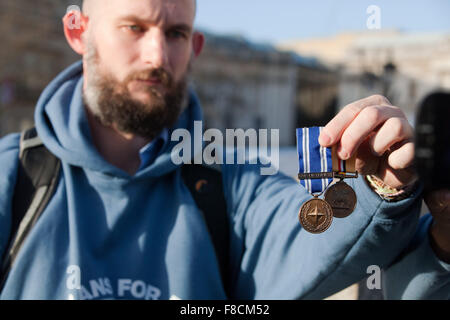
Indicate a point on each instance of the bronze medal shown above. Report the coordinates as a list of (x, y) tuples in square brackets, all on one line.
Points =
[(341, 198), (315, 215)]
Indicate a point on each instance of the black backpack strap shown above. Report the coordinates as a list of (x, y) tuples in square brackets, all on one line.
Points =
[(205, 185), (37, 178)]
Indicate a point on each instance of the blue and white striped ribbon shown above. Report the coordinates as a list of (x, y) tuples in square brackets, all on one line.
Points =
[(313, 158)]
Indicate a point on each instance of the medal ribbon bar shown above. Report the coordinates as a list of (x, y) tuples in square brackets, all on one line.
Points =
[(318, 166), (327, 175), (313, 160)]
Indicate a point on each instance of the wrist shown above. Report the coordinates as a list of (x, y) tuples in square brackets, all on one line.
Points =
[(387, 192)]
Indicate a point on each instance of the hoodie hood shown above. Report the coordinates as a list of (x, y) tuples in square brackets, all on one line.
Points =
[(62, 124)]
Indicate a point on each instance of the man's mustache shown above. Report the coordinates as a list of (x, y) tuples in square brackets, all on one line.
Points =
[(158, 74)]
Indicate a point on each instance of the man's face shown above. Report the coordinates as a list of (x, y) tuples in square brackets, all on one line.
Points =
[(137, 62)]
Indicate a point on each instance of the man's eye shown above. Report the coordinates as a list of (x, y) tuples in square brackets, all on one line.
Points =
[(174, 34), (134, 28)]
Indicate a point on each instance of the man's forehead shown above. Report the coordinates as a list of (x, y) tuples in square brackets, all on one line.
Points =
[(154, 10)]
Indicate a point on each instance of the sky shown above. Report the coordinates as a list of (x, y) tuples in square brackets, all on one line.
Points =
[(274, 21)]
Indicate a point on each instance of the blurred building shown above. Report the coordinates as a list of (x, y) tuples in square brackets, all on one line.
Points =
[(247, 85), (244, 85), (33, 52), (405, 67), (317, 93)]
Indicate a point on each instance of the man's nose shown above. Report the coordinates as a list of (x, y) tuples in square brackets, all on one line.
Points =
[(154, 49)]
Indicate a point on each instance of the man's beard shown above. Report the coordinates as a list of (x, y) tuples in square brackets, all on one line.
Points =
[(113, 106)]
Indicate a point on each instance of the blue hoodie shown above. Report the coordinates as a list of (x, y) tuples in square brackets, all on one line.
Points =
[(108, 235), (418, 273)]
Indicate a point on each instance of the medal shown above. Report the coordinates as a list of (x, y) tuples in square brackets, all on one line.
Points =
[(341, 198), (315, 215), (315, 175), (318, 166)]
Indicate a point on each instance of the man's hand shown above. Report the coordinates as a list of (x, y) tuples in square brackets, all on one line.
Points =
[(380, 136), (439, 204)]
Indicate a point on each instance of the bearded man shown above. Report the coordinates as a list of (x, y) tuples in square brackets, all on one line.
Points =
[(122, 224)]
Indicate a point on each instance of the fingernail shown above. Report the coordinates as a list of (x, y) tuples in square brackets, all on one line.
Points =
[(325, 139), (343, 154)]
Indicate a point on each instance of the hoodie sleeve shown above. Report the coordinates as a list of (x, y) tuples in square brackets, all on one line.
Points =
[(274, 258), (418, 274), (9, 155)]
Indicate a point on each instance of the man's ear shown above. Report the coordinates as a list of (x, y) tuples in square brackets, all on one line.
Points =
[(198, 42), (75, 24)]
